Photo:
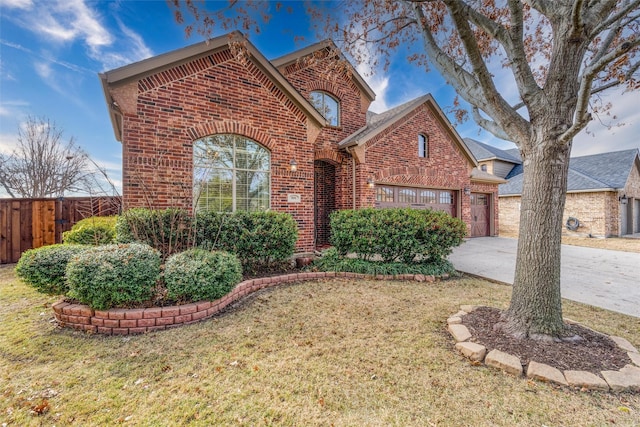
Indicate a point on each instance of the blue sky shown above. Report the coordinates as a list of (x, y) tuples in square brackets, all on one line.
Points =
[(51, 52)]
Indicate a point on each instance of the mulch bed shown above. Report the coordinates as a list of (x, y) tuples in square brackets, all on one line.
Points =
[(594, 353)]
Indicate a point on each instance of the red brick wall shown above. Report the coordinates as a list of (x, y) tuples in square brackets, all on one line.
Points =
[(321, 74), (216, 94), (392, 158)]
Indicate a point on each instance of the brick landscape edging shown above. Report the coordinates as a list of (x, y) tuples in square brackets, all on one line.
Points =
[(119, 321)]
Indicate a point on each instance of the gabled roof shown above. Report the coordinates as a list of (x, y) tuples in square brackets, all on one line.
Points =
[(156, 64), (597, 172), (377, 123), (487, 152), (295, 56)]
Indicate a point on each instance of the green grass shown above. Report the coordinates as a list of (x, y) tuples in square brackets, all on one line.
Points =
[(336, 352)]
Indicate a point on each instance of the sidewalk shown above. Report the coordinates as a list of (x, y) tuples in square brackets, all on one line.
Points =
[(598, 277)]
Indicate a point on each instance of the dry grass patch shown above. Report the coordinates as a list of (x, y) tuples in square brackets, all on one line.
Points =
[(334, 352)]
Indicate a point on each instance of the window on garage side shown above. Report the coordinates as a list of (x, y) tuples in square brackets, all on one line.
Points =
[(446, 198), (427, 196), (327, 105), (384, 194), (231, 172), (423, 145), (407, 195)]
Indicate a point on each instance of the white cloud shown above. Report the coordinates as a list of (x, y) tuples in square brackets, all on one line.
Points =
[(380, 85), (69, 21), (7, 142), (17, 4), (616, 132)]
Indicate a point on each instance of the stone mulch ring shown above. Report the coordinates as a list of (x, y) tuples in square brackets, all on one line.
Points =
[(626, 379)]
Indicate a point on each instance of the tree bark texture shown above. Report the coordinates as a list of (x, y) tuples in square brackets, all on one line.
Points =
[(536, 307)]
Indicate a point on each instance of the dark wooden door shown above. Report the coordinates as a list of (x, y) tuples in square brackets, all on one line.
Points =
[(479, 215)]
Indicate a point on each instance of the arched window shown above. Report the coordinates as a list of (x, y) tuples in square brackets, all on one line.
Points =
[(327, 105), (423, 145), (230, 173)]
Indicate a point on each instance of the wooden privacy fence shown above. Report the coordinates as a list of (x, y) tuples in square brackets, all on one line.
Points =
[(32, 223)]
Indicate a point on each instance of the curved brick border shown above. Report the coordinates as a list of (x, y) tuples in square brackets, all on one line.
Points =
[(626, 379), (118, 321)]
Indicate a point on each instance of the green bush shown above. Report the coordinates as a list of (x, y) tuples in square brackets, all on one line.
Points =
[(197, 274), (259, 239), (96, 230), (333, 261), (167, 230), (113, 275), (396, 235), (44, 268)]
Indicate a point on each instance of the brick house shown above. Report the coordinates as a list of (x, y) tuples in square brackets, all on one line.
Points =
[(217, 126), (603, 190)]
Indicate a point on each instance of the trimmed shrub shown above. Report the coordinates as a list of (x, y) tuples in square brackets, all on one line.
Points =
[(398, 234), (332, 261), (259, 239), (167, 230), (197, 274), (44, 268), (113, 275), (96, 230)]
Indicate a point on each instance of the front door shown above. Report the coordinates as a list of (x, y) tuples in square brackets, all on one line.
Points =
[(325, 202), (480, 215)]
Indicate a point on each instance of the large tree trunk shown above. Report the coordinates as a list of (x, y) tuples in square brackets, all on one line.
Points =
[(536, 307)]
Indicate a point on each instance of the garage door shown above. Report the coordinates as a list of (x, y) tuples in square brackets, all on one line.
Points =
[(416, 198), (479, 215)]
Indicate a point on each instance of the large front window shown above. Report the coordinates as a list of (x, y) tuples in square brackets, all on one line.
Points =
[(231, 173)]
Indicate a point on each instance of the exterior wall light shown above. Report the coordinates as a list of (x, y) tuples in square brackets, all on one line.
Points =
[(623, 200), (294, 165), (370, 183), (467, 191)]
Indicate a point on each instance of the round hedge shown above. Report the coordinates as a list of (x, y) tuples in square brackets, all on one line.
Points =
[(96, 230), (114, 275), (44, 268), (197, 274)]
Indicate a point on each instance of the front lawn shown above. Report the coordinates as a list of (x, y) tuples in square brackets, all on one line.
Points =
[(336, 352)]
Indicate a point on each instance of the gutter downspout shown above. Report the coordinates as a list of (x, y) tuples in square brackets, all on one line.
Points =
[(353, 176)]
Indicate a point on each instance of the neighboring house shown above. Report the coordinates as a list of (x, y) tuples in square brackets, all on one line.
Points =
[(217, 126), (603, 191)]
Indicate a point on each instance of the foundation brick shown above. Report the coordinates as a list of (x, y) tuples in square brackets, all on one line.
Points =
[(134, 314), (131, 323), (188, 309), (163, 321), (150, 313), (182, 318), (116, 313), (146, 322)]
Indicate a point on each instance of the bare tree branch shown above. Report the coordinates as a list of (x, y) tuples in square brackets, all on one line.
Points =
[(42, 164)]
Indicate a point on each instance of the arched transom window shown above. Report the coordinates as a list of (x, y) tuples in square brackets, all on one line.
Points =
[(231, 172), (327, 105)]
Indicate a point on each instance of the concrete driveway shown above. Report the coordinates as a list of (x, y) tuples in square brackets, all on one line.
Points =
[(598, 277)]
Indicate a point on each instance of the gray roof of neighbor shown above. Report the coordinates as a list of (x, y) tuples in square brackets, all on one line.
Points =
[(595, 172), (483, 151)]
